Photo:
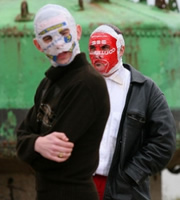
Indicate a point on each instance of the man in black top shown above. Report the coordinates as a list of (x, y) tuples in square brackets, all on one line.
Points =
[(61, 133)]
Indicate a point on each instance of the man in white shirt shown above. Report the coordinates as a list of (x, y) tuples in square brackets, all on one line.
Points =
[(139, 138)]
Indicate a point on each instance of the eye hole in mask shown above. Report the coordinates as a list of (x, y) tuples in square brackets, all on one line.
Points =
[(47, 39), (62, 33)]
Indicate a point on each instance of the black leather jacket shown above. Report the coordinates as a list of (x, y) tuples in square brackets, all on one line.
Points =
[(145, 142)]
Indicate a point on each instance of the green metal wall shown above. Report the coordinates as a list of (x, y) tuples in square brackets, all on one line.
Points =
[(152, 39)]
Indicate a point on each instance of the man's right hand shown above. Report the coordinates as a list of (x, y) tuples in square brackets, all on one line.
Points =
[(54, 146)]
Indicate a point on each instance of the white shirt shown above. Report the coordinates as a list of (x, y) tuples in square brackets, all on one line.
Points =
[(118, 85)]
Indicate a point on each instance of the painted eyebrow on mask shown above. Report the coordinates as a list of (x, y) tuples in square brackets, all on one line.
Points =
[(52, 28)]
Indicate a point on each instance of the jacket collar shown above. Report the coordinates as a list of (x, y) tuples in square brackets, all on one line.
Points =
[(136, 76)]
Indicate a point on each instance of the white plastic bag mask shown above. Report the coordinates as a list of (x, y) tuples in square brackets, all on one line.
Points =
[(52, 21)]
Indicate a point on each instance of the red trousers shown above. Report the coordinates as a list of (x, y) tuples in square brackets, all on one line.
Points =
[(100, 182)]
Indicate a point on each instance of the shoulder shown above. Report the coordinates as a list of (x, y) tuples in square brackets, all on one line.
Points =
[(92, 82), (95, 81), (142, 81)]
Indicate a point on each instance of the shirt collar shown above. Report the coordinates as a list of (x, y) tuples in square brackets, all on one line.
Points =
[(118, 76)]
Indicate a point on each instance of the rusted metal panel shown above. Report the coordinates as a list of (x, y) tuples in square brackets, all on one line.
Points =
[(152, 39), (9, 120)]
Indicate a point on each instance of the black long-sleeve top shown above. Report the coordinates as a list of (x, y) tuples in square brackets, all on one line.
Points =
[(74, 100)]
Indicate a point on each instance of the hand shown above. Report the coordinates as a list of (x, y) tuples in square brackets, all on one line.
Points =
[(54, 146)]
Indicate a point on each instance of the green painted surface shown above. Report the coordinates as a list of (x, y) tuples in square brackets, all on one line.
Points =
[(152, 45), (152, 39), (8, 126)]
